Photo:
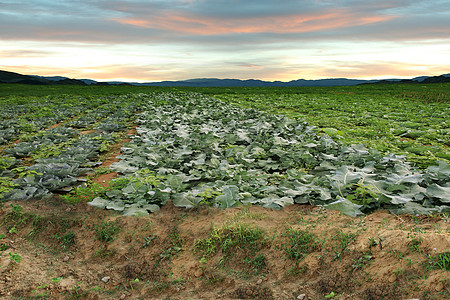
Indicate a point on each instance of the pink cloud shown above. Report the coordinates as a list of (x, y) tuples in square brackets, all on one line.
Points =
[(183, 23)]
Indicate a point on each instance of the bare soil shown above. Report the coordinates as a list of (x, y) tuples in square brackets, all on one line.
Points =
[(64, 256)]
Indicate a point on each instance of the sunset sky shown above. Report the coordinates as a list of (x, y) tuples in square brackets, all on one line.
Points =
[(156, 40)]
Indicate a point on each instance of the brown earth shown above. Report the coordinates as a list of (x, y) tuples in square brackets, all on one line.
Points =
[(111, 157), (67, 252)]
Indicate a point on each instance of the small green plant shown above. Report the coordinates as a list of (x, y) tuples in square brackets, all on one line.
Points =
[(6, 185), (415, 242), (372, 242), (344, 239), (101, 171), (23, 172), (15, 257), (440, 261), (443, 261), (56, 279), (3, 246), (361, 194), (300, 244), (66, 240), (107, 231), (297, 270), (257, 264), (51, 150), (208, 196), (16, 208), (104, 252), (237, 243), (364, 259), (229, 238), (148, 241), (176, 245), (85, 193), (133, 281)]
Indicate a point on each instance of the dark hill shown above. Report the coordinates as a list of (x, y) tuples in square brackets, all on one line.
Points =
[(11, 77)]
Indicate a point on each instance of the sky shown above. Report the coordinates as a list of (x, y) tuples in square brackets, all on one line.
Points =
[(155, 40)]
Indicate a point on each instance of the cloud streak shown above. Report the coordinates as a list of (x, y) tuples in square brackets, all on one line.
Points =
[(187, 24)]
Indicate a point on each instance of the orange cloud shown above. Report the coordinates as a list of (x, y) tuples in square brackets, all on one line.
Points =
[(380, 70), (183, 23)]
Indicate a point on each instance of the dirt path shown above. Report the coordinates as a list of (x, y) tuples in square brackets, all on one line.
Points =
[(111, 157)]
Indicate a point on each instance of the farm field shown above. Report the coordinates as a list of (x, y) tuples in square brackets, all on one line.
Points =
[(130, 185)]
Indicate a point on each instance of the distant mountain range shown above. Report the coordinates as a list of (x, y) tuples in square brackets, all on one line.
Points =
[(11, 77)]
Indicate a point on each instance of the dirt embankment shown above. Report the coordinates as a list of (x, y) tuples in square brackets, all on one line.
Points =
[(55, 251)]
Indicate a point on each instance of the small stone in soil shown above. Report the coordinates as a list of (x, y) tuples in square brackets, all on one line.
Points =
[(301, 297), (106, 279)]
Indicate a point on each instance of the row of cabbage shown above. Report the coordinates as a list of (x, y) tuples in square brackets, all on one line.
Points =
[(27, 116), (196, 150), (60, 155)]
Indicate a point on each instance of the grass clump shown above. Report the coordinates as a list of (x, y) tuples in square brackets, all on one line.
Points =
[(239, 246), (85, 193), (443, 261), (344, 241), (231, 238), (300, 244), (106, 231), (439, 261)]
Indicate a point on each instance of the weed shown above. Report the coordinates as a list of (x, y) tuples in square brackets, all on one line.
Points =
[(85, 193), (443, 261), (106, 231), (445, 217), (3, 246), (208, 196), (361, 261), (257, 264), (440, 261), (229, 238), (235, 240), (66, 241), (399, 255), (300, 244), (6, 185), (169, 252), (296, 270), (133, 281), (15, 257), (344, 239), (246, 213), (147, 241), (56, 279), (372, 242), (104, 252), (416, 241), (16, 208), (101, 171)]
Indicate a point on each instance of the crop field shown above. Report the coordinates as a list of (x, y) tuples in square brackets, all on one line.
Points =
[(302, 174)]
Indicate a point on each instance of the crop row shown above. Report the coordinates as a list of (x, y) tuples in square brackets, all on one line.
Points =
[(50, 160), (196, 150), (387, 123)]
